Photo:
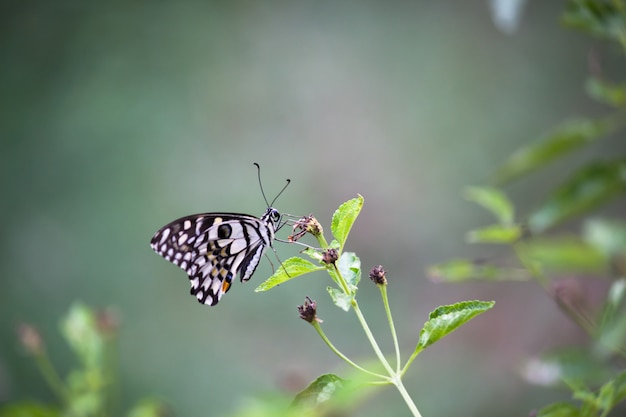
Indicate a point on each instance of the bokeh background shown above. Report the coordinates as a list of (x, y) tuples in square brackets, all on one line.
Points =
[(118, 117)]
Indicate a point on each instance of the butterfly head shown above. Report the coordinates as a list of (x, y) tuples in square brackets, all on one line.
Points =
[(272, 217)]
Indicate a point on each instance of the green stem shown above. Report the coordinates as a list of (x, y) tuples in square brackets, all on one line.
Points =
[(371, 338), (332, 347), (321, 240), (363, 322), (406, 397), (342, 281), (52, 377), (394, 336), (112, 376), (411, 359)]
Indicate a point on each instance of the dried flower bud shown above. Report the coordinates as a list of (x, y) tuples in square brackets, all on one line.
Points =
[(569, 294), (308, 311), (304, 225), (377, 274), (330, 256), (30, 339), (108, 321)]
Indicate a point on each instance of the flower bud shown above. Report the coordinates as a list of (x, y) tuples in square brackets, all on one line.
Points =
[(377, 274), (330, 256), (30, 339), (308, 311)]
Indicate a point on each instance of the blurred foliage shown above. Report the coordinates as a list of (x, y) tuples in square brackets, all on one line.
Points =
[(91, 388), (547, 254)]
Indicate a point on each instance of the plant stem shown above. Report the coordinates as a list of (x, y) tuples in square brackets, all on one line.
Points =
[(405, 396), (411, 359), (332, 347), (363, 322), (371, 338), (394, 336), (52, 377), (342, 281)]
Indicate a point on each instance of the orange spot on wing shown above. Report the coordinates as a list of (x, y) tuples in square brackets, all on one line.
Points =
[(225, 286)]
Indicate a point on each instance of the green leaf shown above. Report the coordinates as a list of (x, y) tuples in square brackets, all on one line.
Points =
[(344, 218), (495, 234), (290, 269), (493, 200), (563, 254), (459, 270), (605, 92), (590, 187), (29, 409), (340, 298), (350, 267), (320, 391), (561, 409), (81, 332), (564, 139), (445, 319), (313, 254)]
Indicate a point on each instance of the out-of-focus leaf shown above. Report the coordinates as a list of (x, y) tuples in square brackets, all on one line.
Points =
[(150, 408), (350, 267), (587, 189), (607, 93), (607, 236), (602, 19), (620, 387), (340, 298), (269, 405), (606, 396), (459, 270), (445, 319), (564, 139), (87, 400), (613, 330), (569, 365), (495, 234), (507, 14), (561, 409), (344, 218), (493, 200), (291, 268), (80, 329), (29, 409), (563, 254), (616, 292), (320, 391)]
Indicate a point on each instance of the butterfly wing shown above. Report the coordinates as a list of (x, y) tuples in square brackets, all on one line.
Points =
[(212, 248)]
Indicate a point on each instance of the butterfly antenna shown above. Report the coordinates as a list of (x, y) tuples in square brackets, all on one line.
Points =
[(258, 170), (281, 191), (261, 186)]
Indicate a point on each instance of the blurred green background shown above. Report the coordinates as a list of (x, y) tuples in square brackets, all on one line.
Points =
[(118, 117)]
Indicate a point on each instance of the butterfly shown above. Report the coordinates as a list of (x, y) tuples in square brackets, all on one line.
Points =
[(214, 247)]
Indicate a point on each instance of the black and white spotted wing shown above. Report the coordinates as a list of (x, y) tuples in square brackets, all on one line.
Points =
[(213, 247)]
